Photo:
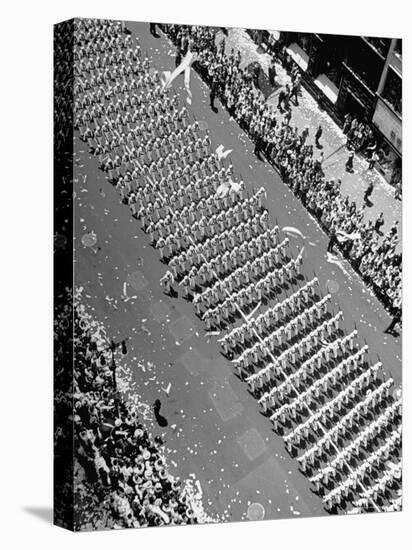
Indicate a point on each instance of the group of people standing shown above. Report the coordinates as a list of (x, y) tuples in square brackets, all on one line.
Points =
[(299, 360), (221, 251), (120, 477), (377, 260)]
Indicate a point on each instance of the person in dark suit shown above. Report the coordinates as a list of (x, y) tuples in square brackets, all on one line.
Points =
[(160, 419), (213, 93), (272, 73), (259, 144), (318, 135), (281, 99), (152, 28), (255, 75), (332, 239), (397, 318), (368, 192), (349, 162), (378, 224)]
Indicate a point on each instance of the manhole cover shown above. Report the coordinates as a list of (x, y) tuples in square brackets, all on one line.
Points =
[(332, 286), (255, 512), (89, 239)]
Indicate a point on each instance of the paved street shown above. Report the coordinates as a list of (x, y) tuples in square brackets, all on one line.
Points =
[(215, 430)]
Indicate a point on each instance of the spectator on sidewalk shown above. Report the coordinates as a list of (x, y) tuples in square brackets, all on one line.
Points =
[(295, 92), (272, 73), (318, 135), (281, 99), (349, 162), (333, 240), (347, 123), (288, 115), (368, 192), (370, 149), (298, 81), (152, 28), (398, 190), (379, 223), (318, 164), (372, 161), (397, 318), (259, 145), (351, 132), (393, 233), (305, 133), (213, 93), (358, 136), (286, 100)]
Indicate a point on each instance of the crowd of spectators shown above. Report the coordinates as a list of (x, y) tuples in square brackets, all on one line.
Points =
[(218, 245), (121, 478), (360, 135), (376, 258), (120, 475)]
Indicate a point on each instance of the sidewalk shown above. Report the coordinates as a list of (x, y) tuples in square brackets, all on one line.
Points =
[(309, 113)]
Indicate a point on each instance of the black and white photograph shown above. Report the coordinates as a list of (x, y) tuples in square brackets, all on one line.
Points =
[(221, 303), (237, 286)]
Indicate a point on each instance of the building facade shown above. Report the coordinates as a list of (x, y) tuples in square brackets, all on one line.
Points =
[(360, 75)]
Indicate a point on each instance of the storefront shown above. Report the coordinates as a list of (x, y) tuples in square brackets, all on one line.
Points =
[(389, 124)]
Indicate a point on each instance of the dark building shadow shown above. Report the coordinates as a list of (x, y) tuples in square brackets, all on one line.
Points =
[(43, 513)]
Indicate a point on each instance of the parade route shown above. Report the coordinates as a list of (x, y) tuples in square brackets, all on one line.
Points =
[(215, 429)]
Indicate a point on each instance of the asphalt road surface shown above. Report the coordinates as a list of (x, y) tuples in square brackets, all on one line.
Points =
[(215, 430)]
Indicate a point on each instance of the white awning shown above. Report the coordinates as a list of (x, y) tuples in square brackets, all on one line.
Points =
[(299, 56), (327, 87)]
